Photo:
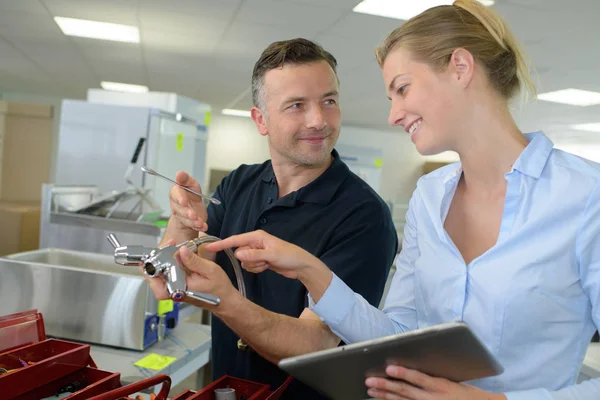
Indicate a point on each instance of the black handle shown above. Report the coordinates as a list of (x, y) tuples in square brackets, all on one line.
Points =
[(138, 149)]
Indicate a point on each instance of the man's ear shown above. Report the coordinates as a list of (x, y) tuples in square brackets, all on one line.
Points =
[(260, 119), (462, 67)]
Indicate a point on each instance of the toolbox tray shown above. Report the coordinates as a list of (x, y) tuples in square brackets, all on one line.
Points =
[(97, 382)]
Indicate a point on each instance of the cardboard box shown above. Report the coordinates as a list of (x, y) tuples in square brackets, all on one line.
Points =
[(25, 150), (19, 227)]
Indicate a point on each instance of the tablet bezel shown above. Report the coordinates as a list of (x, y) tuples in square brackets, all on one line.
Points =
[(449, 350)]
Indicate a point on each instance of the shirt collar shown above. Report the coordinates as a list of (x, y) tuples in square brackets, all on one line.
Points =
[(531, 161), (322, 189), (535, 156), (268, 175)]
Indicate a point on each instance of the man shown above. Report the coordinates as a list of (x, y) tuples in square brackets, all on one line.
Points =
[(306, 195)]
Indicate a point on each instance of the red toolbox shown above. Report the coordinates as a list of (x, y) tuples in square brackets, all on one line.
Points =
[(19, 329), (243, 389), (96, 382), (33, 367), (122, 392)]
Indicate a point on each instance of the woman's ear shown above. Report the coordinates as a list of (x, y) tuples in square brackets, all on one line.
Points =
[(462, 67)]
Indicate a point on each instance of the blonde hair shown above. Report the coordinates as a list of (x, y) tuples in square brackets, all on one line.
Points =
[(433, 35)]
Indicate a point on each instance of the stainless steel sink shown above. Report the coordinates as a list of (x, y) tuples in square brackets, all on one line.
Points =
[(76, 259), (82, 296)]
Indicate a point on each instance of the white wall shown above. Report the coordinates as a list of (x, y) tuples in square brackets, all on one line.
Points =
[(402, 164), (233, 141)]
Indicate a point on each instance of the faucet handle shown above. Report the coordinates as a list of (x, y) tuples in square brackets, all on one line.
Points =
[(204, 297), (129, 255), (112, 238), (132, 255)]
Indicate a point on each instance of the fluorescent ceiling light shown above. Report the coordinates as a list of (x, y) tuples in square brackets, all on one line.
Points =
[(591, 127), (123, 87), (402, 9), (98, 30), (237, 113), (573, 97)]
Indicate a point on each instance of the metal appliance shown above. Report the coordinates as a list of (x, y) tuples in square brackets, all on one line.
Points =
[(95, 142), (68, 222), (85, 297)]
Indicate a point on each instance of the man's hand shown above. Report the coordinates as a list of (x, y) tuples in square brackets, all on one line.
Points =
[(202, 275), (187, 209), (207, 277), (409, 384)]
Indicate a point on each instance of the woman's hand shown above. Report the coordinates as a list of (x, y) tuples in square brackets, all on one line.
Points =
[(408, 384), (259, 251)]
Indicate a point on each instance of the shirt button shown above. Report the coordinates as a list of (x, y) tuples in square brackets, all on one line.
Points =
[(270, 200), (263, 221)]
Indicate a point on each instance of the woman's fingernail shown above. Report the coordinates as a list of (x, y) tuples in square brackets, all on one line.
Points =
[(242, 253), (370, 382)]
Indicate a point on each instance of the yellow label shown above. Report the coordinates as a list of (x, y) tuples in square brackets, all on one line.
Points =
[(165, 306), (378, 162), (207, 116), (179, 141), (154, 361)]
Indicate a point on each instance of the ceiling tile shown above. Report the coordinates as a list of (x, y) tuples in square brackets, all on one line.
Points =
[(56, 58), (178, 43), (363, 27), (108, 51), (222, 10), (361, 53), (202, 25), (118, 12), (249, 40), (347, 5), (30, 6), (28, 26), (289, 15)]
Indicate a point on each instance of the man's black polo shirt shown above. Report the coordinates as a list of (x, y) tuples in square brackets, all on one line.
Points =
[(337, 217)]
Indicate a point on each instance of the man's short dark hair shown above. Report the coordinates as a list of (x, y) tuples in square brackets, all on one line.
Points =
[(296, 52)]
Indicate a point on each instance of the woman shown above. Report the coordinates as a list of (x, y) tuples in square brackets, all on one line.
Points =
[(508, 240)]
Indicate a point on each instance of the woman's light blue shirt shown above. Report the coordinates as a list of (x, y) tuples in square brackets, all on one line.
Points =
[(533, 298)]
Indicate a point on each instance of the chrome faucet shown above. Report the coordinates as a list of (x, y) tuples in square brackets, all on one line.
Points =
[(161, 261)]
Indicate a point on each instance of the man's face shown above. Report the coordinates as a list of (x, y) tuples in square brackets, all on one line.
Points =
[(303, 117)]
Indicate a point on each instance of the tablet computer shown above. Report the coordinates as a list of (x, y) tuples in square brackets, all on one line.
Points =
[(448, 351)]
